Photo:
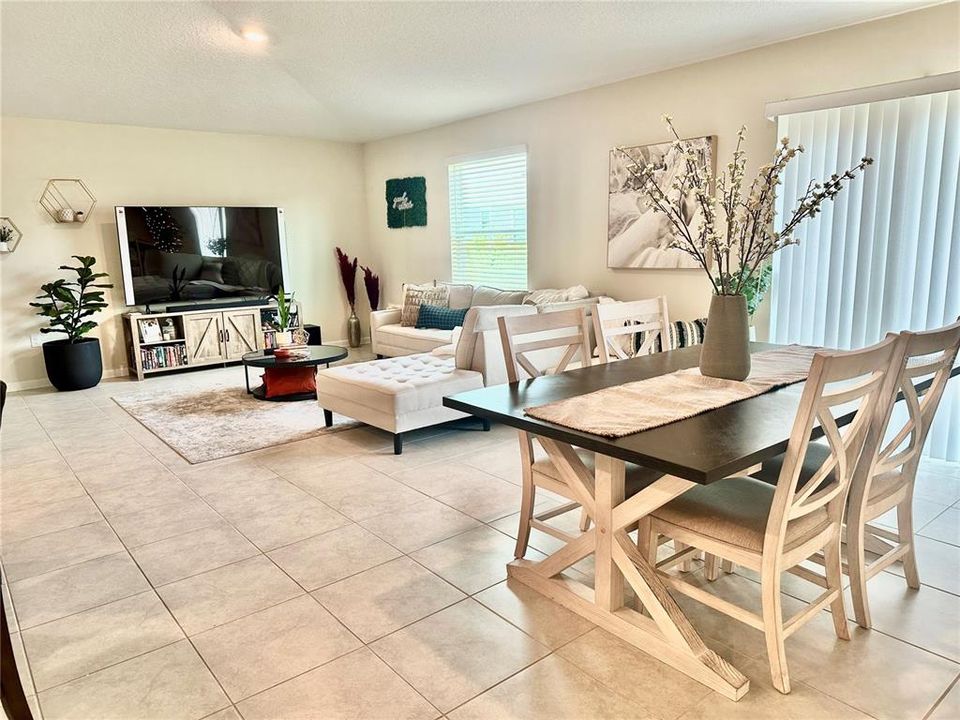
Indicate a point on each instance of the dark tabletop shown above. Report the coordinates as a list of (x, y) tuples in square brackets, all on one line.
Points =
[(319, 355), (703, 448)]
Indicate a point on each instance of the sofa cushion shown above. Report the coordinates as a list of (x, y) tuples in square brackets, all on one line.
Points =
[(548, 297), (416, 295), (397, 385), (459, 296), (440, 318), (483, 295), (414, 339)]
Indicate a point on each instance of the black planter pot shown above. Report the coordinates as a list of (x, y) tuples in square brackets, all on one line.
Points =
[(73, 366)]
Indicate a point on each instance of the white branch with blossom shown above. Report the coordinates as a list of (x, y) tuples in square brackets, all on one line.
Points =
[(736, 235)]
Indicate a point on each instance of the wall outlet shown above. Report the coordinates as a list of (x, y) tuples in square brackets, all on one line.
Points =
[(36, 340)]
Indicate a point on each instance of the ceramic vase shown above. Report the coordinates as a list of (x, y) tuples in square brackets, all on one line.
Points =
[(283, 338), (353, 329), (726, 344)]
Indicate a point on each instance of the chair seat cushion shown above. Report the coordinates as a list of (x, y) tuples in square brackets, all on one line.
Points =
[(638, 477), (397, 385), (817, 455), (735, 511)]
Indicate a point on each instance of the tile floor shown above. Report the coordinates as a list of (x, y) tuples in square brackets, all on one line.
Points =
[(331, 579)]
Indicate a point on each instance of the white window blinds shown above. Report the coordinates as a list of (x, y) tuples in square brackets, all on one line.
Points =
[(488, 220), (886, 255)]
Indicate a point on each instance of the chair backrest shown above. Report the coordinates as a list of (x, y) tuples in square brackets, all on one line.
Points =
[(839, 383), (614, 322), (928, 359), (564, 330), (479, 347)]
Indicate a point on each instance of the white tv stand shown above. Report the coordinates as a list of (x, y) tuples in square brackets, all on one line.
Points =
[(199, 338)]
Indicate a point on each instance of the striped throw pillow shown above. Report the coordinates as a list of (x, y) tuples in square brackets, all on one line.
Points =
[(683, 333), (440, 318)]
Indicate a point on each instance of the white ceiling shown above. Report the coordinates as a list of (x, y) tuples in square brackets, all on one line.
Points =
[(362, 70)]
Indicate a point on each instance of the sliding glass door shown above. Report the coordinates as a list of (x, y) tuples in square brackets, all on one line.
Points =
[(886, 255)]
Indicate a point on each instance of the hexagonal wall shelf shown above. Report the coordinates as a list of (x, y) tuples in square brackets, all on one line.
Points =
[(68, 200), (10, 235)]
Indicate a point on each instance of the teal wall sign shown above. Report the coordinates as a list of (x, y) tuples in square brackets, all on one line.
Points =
[(406, 202)]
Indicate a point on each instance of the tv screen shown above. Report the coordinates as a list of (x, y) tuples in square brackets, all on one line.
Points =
[(195, 254)]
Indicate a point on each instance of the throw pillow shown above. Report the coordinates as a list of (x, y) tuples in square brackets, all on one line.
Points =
[(212, 270), (460, 295), (683, 333), (287, 381), (416, 295), (440, 318)]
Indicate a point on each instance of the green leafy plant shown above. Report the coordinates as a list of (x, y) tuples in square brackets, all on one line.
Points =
[(68, 303), (6, 233), (284, 309), (755, 286)]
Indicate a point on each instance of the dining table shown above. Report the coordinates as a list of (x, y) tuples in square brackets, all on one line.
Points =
[(705, 448)]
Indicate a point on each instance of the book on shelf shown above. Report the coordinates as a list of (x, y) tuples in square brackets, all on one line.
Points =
[(163, 356)]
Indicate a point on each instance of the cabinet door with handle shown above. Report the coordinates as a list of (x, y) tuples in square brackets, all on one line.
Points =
[(242, 332), (204, 335)]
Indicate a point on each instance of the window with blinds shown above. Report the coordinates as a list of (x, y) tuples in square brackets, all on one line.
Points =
[(488, 219), (885, 256)]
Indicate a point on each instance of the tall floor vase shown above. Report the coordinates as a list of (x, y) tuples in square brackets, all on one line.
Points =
[(726, 344), (353, 329)]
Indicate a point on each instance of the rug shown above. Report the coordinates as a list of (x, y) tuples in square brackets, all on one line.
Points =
[(213, 423)]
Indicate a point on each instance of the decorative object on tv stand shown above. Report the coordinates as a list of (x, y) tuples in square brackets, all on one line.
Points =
[(74, 363), (638, 236), (735, 238), (283, 336), (406, 202), (371, 281), (67, 200), (10, 235), (348, 274)]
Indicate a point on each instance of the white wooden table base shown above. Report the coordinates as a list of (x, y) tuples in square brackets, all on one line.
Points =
[(666, 634)]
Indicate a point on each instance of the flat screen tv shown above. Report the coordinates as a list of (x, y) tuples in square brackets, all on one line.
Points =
[(180, 254)]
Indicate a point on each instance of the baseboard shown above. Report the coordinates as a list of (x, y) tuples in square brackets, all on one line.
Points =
[(44, 383), (124, 372)]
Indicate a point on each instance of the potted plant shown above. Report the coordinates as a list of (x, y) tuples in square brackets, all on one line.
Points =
[(348, 274), (734, 238), (754, 290), (283, 336), (73, 363)]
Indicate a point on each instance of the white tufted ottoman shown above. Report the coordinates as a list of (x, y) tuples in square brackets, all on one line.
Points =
[(395, 394)]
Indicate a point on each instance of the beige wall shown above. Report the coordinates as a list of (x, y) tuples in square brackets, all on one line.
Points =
[(568, 141), (318, 183)]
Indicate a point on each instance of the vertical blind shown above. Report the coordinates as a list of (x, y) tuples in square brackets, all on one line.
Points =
[(885, 256), (488, 220)]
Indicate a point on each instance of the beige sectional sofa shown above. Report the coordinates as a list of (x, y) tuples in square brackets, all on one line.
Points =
[(390, 339)]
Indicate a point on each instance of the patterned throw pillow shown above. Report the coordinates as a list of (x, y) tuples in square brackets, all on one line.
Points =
[(440, 318), (683, 333), (417, 295)]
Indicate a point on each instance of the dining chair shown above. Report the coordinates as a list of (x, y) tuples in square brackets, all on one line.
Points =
[(887, 473), (771, 529), (532, 345), (617, 324)]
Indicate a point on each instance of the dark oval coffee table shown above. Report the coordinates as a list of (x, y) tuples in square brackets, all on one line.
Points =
[(319, 355)]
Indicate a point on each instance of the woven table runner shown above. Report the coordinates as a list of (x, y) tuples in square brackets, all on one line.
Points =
[(634, 407)]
